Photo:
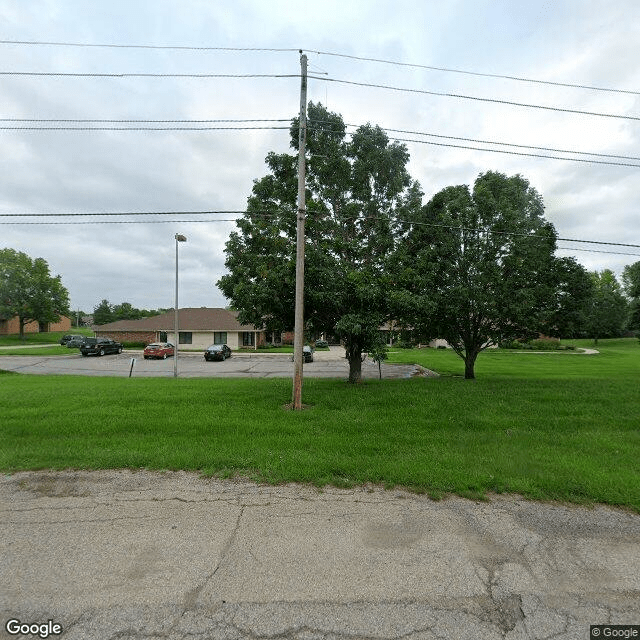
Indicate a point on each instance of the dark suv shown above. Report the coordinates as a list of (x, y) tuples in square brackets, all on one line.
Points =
[(99, 346)]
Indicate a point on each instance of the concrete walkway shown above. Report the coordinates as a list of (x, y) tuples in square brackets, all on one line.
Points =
[(137, 555)]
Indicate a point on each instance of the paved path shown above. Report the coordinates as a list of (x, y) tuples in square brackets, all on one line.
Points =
[(136, 555), (327, 364)]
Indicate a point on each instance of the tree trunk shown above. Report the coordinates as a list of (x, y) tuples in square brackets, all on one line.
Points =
[(469, 365), (21, 322), (355, 367)]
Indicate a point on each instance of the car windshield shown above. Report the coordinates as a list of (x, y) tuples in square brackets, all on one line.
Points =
[(153, 346), (91, 340), (215, 347)]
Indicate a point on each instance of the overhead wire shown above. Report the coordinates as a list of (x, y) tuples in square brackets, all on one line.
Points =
[(79, 74), (325, 53), (148, 46), (270, 214), (476, 98), (473, 73)]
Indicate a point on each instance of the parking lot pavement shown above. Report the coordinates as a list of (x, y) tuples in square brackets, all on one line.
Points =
[(137, 554), (193, 365)]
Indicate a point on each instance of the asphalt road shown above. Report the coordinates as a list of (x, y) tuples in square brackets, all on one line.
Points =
[(327, 364), (139, 555)]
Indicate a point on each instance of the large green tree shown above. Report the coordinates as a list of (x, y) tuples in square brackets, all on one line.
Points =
[(571, 302), (29, 291), (357, 188), (479, 265), (609, 308), (631, 285), (103, 313)]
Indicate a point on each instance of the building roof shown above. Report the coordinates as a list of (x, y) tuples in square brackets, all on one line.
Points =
[(199, 319)]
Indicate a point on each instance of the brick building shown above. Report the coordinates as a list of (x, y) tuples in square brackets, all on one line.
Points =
[(12, 326), (197, 328)]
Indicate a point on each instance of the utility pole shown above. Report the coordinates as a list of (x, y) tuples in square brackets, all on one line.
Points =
[(298, 341), (178, 238)]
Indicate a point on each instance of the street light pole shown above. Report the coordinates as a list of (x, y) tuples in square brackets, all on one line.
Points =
[(179, 238)]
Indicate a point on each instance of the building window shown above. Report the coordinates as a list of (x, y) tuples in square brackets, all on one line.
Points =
[(220, 337), (163, 336), (248, 339), (185, 337)]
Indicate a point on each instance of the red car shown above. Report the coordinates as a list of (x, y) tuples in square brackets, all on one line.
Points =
[(158, 350)]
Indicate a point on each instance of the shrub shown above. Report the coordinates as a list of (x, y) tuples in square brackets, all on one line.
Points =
[(321, 343), (541, 344), (134, 345)]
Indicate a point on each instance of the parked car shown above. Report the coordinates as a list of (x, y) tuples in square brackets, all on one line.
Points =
[(217, 352), (99, 346), (158, 350), (75, 341), (307, 354), (68, 337)]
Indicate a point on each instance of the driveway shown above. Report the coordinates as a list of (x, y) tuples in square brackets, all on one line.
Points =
[(137, 555), (327, 364)]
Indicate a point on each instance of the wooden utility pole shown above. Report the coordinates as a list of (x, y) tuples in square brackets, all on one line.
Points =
[(298, 341)]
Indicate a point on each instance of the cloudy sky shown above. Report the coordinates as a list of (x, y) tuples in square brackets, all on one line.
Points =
[(592, 43)]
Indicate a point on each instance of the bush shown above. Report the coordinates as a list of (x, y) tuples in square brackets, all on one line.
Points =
[(404, 344), (134, 345), (321, 343), (541, 344)]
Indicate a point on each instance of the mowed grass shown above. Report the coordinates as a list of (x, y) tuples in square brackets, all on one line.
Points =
[(554, 426), (52, 337), (57, 350)]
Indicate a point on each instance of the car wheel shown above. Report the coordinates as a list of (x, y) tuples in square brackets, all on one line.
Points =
[(223, 357), (119, 349), (164, 356), (101, 352)]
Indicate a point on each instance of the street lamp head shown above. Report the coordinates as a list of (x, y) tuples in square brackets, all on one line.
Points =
[(180, 238)]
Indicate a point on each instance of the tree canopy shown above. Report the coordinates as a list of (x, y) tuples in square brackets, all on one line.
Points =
[(357, 189), (479, 266), (608, 310), (28, 290)]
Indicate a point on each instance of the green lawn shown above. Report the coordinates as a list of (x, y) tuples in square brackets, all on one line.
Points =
[(550, 426), (52, 337), (57, 350)]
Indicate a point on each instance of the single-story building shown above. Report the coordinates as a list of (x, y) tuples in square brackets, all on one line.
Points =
[(197, 329), (11, 326)]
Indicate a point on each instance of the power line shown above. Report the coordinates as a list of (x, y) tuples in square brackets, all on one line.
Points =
[(74, 74), (182, 221), (268, 214), (125, 213), (513, 153), (616, 253), (248, 120), (474, 73), (145, 46), (505, 144), (325, 53), (476, 98), (201, 128), (142, 121)]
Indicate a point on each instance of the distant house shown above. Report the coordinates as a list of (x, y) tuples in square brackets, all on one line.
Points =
[(11, 326), (197, 328)]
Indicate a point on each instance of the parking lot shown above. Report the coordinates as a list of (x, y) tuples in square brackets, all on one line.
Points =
[(326, 364)]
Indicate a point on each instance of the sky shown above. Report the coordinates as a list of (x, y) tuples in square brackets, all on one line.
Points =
[(456, 47)]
